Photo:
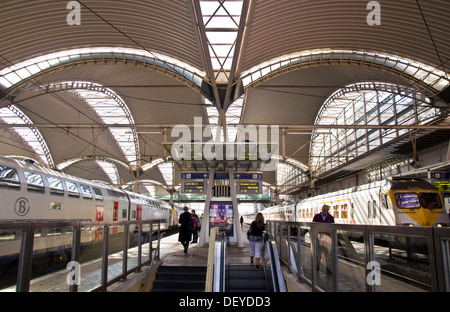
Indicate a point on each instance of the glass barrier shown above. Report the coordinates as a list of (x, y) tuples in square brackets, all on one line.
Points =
[(55, 256), (355, 258)]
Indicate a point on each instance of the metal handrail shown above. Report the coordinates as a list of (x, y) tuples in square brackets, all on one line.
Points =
[(275, 267), (210, 263), (29, 229)]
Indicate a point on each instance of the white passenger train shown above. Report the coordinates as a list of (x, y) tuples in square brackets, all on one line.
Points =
[(30, 192), (409, 202)]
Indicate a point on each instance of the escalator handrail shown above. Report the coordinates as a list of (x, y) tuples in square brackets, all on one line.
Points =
[(219, 264), (277, 274)]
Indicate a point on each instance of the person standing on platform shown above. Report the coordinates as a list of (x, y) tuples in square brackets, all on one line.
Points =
[(255, 238), (323, 238), (185, 229), (195, 230), (324, 216)]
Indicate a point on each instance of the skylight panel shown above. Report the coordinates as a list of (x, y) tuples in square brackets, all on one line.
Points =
[(112, 110), (16, 73), (110, 170), (166, 170), (14, 116)]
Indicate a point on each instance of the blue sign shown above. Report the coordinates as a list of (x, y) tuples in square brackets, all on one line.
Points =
[(248, 176), (194, 175)]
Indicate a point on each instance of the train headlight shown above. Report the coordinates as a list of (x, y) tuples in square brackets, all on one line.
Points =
[(441, 225)]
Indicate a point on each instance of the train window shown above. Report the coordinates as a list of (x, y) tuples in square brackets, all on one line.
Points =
[(124, 213), (352, 212), (9, 178), (56, 187), (374, 207), (73, 189), (407, 200), (86, 191), (344, 212), (369, 209), (385, 201), (98, 193), (34, 182), (430, 200)]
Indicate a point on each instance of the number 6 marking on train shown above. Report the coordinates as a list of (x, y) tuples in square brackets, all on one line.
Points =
[(22, 206)]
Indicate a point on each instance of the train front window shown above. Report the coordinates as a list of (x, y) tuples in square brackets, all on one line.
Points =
[(9, 178), (430, 200), (407, 200)]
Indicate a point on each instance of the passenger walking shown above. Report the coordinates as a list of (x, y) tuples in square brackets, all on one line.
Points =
[(255, 238), (323, 239), (186, 228), (195, 226)]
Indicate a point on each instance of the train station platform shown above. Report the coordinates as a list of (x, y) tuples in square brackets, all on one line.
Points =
[(172, 255)]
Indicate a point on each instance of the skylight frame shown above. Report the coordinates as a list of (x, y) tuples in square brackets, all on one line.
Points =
[(425, 74), (32, 136), (12, 75)]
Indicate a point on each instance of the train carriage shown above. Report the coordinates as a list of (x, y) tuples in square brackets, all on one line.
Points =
[(411, 202)]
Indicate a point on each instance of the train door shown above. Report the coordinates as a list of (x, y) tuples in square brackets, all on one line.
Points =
[(138, 215), (373, 212), (115, 216), (99, 218)]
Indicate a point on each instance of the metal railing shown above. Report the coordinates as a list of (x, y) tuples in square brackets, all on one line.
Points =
[(78, 244), (338, 257), (271, 261)]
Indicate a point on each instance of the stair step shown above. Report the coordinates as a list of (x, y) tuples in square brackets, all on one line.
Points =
[(179, 279)]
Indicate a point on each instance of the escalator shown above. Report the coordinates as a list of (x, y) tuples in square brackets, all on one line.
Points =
[(246, 277)]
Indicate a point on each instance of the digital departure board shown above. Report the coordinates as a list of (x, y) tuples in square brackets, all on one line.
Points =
[(248, 187), (193, 187)]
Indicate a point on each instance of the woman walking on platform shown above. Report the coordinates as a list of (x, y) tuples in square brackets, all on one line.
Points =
[(255, 238)]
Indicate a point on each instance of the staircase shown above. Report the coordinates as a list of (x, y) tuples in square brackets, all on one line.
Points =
[(247, 278), (180, 279)]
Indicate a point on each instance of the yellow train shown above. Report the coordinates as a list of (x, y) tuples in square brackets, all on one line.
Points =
[(393, 201)]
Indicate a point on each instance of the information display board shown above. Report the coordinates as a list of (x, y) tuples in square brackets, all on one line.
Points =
[(193, 187), (221, 216), (248, 187)]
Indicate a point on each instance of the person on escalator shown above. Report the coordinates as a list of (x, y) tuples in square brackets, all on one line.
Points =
[(255, 238)]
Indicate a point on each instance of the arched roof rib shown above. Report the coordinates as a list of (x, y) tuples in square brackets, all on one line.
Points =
[(18, 74), (423, 76), (32, 136)]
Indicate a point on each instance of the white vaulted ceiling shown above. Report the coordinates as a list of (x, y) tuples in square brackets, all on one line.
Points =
[(162, 58)]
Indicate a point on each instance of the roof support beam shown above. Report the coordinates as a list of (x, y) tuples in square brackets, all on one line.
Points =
[(204, 50)]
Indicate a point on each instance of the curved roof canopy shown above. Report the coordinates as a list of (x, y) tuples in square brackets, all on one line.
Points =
[(96, 88)]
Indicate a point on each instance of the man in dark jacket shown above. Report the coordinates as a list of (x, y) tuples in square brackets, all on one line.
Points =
[(324, 216), (185, 229), (323, 239)]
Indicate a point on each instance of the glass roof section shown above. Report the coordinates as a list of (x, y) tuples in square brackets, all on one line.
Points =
[(13, 116), (110, 170), (365, 103), (23, 70), (434, 78), (112, 110), (221, 20), (232, 116), (166, 170)]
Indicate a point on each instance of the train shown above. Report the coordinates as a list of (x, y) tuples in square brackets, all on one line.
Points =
[(29, 192), (34, 194), (390, 202)]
